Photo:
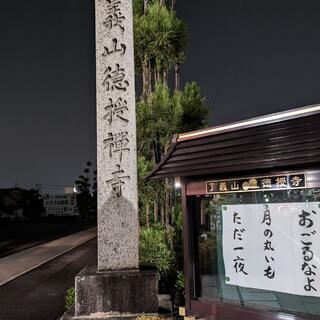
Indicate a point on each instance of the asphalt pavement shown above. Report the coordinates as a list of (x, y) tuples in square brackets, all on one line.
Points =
[(39, 294)]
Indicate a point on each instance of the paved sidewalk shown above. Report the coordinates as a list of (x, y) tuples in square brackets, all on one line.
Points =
[(22, 262)]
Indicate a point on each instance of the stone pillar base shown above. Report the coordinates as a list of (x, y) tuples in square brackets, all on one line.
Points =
[(115, 294)]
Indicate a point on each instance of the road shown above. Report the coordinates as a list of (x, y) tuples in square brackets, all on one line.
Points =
[(39, 294)]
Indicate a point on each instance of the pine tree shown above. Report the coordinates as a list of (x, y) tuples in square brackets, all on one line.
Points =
[(160, 40), (159, 43)]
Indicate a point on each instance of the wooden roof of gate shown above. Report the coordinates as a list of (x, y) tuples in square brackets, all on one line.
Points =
[(284, 140)]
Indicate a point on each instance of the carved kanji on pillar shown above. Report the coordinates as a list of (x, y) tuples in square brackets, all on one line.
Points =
[(116, 134)]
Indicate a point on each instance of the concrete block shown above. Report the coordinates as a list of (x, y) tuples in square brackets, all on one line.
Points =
[(116, 292)]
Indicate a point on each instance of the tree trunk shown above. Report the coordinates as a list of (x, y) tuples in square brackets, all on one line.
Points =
[(158, 75), (162, 212), (155, 212), (148, 215), (163, 2), (155, 76), (145, 79), (145, 5), (167, 209), (173, 218), (150, 78), (177, 76), (165, 78), (156, 151), (173, 2)]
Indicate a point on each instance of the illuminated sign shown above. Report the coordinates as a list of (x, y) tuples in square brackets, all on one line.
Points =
[(261, 183)]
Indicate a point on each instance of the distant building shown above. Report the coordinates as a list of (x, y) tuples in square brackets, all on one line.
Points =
[(18, 203), (70, 190), (61, 204)]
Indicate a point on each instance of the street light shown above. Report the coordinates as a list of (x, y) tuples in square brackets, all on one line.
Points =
[(177, 182)]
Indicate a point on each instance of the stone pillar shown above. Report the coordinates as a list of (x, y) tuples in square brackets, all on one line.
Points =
[(118, 289), (118, 228)]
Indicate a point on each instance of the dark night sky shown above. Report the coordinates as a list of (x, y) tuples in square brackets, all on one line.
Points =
[(250, 57)]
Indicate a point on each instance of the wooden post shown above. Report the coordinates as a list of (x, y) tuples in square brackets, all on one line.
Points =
[(186, 215)]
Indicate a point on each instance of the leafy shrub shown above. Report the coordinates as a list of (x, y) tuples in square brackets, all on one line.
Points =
[(155, 250), (179, 289), (69, 298), (180, 281)]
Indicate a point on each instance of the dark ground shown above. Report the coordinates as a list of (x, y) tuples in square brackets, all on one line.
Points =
[(39, 294), (17, 236)]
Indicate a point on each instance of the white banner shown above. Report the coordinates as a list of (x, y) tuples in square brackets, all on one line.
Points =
[(273, 246)]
